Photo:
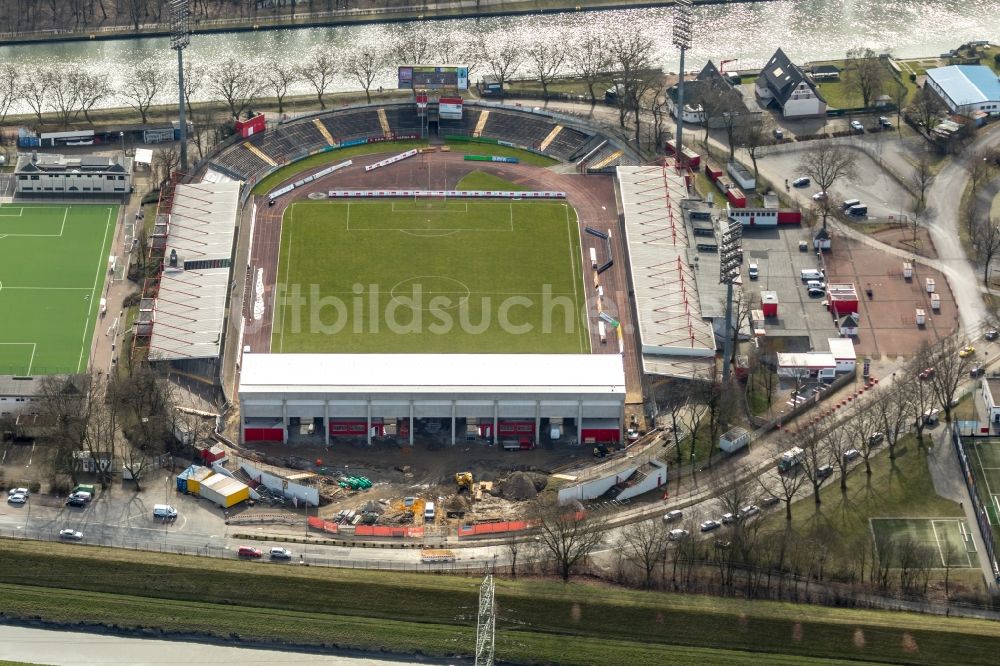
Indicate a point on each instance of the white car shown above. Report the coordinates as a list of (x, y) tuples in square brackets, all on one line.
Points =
[(673, 516), (728, 518), (710, 525), (857, 126), (751, 510), (677, 535), (18, 491), (851, 454), (72, 535), (19, 498), (278, 553)]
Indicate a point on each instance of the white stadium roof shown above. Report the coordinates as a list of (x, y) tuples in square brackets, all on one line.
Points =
[(596, 374)]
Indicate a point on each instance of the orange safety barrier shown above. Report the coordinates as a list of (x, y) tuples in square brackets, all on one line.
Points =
[(324, 525), (492, 528)]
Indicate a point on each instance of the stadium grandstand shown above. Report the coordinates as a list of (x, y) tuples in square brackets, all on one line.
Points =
[(562, 137)]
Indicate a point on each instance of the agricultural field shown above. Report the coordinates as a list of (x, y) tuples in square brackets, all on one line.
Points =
[(430, 276), (53, 264)]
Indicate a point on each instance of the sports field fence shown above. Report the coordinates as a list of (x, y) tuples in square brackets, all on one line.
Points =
[(982, 517)]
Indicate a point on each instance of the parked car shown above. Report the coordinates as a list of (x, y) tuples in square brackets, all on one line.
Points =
[(856, 126), (81, 495), (816, 291), (801, 181), (770, 500), (750, 510), (819, 284), (728, 518), (819, 196), (677, 535), (17, 498), (926, 374), (18, 491), (779, 133), (673, 516), (824, 472), (72, 535), (977, 371), (278, 553), (884, 122), (967, 350), (876, 439), (753, 270), (811, 274), (76, 501), (992, 334), (851, 454), (248, 551), (710, 525)]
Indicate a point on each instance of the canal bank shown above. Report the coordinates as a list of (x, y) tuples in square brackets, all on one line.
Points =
[(462, 9)]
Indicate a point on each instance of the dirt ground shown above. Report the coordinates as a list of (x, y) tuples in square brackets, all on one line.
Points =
[(903, 238), (888, 318)]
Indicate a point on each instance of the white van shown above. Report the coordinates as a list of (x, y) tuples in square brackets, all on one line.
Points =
[(164, 511), (811, 274), (429, 512)]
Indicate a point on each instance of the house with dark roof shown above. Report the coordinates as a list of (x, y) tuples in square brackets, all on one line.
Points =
[(77, 175), (782, 85), (709, 89)]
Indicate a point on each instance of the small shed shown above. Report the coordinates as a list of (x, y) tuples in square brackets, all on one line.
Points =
[(848, 324), (734, 440), (821, 241), (769, 303)]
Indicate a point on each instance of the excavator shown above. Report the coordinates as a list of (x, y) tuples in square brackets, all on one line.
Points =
[(464, 481)]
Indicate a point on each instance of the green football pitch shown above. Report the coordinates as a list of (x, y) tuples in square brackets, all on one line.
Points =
[(53, 261), (411, 276)]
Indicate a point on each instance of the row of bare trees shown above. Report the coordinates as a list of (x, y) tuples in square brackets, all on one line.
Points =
[(127, 418)]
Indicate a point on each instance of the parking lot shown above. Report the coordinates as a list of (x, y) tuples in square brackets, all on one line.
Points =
[(888, 318), (803, 323), (883, 195)]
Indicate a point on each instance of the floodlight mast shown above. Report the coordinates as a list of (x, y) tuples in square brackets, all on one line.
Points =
[(730, 260), (180, 38), (683, 20)]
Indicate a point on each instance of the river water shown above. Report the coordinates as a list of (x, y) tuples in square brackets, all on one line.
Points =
[(749, 32)]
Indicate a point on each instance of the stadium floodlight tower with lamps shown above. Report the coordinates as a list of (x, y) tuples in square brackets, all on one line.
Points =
[(683, 20), (730, 260), (180, 38)]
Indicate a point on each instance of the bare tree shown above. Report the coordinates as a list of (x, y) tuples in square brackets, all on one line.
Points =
[(591, 60), (10, 88), (816, 455), (280, 77), (979, 166), (92, 89), (926, 108), (141, 87), (102, 434), (64, 94), (826, 164), (630, 52), (546, 63), (319, 70), (923, 176), (645, 544), (512, 541), (412, 45), (64, 408), (236, 81), (673, 397), (784, 486), (501, 59), (35, 90), (364, 65), (566, 533), (865, 74), (165, 161), (911, 400), (951, 368), (986, 240), (860, 426), (753, 134), (837, 441)]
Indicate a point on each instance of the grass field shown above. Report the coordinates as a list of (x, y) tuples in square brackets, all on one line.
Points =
[(53, 262), (984, 457), (538, 621), (430, 276), (950, 538)]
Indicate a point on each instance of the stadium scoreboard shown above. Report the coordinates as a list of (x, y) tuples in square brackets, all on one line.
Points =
[(433, 77)]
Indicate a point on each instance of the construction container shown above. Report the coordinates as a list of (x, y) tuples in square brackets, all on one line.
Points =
[(602, 332), (769, 303), (224, 490), (907, 270), (921, 317), (196, 478), (734, 440), (929, 282), (593, 257), (936, 302)]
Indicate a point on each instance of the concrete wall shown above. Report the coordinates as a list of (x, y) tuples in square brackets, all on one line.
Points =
[(594, 488), (277, 484), (653, 480)]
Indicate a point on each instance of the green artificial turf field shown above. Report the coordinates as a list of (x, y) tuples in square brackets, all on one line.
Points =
[(53, 262), (434, 276)]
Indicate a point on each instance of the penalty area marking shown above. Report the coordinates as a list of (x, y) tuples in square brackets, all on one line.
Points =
[(31, 360)]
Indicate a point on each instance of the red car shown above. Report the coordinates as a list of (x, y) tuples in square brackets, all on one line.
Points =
[(249, 551), (926, 374)]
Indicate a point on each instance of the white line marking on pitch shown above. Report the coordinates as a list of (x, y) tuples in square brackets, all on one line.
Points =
[(101, 262)]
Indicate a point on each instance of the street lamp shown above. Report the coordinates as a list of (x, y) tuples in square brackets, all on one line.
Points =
[(122, 136)]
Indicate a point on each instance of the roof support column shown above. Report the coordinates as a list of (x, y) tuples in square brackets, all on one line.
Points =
[(538, 421), (621, 427), (579, 422), (411, 424), (453, 410), (496, 420), (326, 422), (284, 421), (368, 404), (243, 429)]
